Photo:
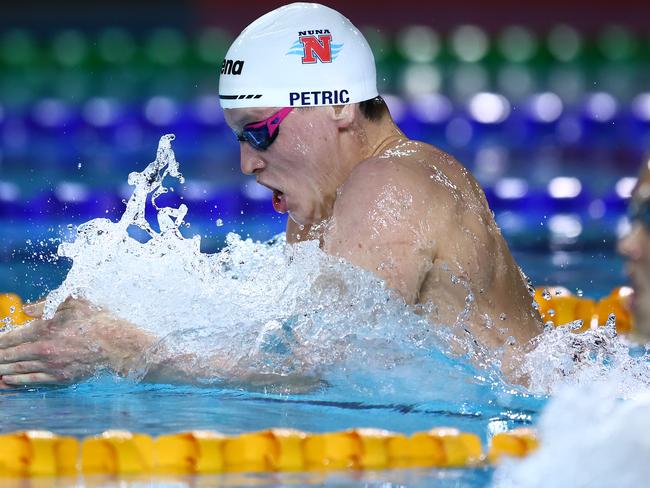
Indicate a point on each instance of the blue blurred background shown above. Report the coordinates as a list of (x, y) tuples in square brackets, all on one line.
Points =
[(547, 103)]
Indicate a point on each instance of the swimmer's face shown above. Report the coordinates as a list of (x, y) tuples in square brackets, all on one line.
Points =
[(635, 247), (300, 164)]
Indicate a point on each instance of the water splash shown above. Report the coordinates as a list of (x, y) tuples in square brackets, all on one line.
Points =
[(560, 357), (592, 431), (268, 312), (98, 239), (262, 312), (590, 438)]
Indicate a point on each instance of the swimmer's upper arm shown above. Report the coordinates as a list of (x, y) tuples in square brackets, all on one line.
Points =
[(380, 222)]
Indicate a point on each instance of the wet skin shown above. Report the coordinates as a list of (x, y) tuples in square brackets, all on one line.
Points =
[(635, 248), (416, 217), (402, 209)]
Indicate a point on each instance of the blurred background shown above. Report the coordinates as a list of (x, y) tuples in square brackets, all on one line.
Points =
[(547, 103)]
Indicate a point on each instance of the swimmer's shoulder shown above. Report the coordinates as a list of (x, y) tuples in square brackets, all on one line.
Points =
[(447, 175), (434, 178), (379, 173), (415, 165), (386, 183)]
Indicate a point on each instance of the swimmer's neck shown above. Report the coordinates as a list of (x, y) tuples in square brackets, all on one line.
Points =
[(361, 141), (374, 137), (367, 140)]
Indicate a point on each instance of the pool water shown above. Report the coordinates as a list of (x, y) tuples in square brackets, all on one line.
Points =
[(409, 386), (111, 403), (92, 407)]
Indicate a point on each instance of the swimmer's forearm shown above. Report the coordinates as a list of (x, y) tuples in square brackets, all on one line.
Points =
[(128, 350), (131, 350), (174, 374), (124, 346), (190, 369)]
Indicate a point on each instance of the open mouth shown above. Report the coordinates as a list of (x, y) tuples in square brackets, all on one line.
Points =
[(279, 202), (278, 199)]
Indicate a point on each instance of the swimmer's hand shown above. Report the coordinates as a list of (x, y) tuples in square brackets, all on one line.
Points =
[(82, 340), (79, 341)]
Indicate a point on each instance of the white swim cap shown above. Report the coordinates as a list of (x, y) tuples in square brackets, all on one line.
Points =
[(299, 55)]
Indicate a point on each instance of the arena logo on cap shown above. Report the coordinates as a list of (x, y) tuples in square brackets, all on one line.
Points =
[(314, 46), (230, 67)]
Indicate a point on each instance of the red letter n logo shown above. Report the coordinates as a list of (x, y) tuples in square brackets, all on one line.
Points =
[(317, 47)]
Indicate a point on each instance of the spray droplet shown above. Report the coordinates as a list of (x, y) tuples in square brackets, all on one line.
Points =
[(546, 295), (503, 316), (576, 325), (12, 309), (551, 312), (219, 222), (579, 292), (611, 320), (79, 166)]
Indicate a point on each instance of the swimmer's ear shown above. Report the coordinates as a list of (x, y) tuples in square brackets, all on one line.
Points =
[(343, 115)]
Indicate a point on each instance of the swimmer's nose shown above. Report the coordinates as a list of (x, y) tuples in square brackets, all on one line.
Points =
[(250, 160), (631, 244)]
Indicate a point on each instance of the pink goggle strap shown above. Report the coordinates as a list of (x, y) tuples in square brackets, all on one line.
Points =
[(273, 122)]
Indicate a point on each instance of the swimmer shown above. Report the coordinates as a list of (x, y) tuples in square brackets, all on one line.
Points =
[(635, 248), (298, 88), (316, 132)]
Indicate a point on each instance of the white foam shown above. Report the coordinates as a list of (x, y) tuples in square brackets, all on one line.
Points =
[(593, 431), (590, 437), (560, 357)]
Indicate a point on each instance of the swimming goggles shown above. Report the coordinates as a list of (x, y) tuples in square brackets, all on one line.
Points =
[(639, 212), (261, 134)]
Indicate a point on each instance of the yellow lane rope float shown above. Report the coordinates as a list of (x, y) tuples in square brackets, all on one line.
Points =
[(11, 310), (40, 453), (559, 306)]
